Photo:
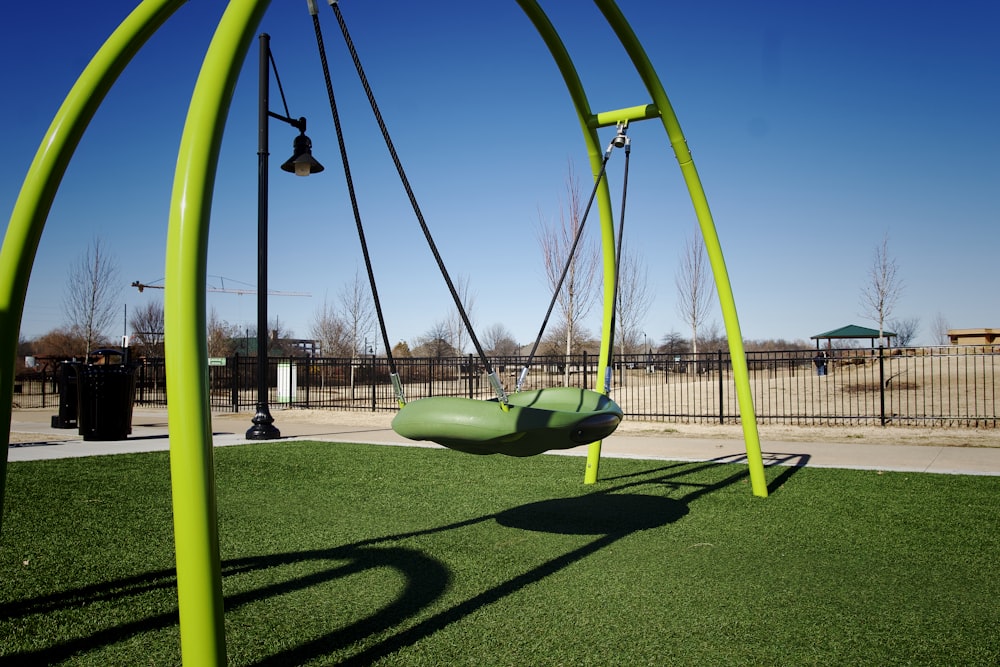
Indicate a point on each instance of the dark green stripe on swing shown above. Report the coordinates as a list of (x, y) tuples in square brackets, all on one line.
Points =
[(536, 421)]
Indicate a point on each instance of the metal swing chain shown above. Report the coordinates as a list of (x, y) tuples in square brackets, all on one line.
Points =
[(619, 141), (394, 374), (488, 367)]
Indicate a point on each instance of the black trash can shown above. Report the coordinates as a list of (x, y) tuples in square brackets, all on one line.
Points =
[(106, 397), (68, 394)]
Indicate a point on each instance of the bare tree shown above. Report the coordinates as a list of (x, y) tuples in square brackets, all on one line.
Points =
[(712, 336), (880, 294), (91, 298), (634, 299), (357, 312), (146, 324), (222, 336), (577, 295), (62, 343), (459, 334), (940, 328), (329, 329), (673, 343), (499, 341), (906, 330), (436, 342), (580, 340), (694, 286)]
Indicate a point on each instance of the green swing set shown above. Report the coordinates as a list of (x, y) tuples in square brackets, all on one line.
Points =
[(199, 579), (518, 424)]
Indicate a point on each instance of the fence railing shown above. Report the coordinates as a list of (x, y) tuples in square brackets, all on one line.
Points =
[(948, 386)]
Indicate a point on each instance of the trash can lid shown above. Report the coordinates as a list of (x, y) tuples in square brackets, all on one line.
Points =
[(104, 356)]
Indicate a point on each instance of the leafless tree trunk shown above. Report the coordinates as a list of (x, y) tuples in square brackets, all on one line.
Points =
[(459, 334), (940, 327), (634, 299), (577, 295), (358, 310), (331, 332), (91, 298), (147, 329), (694, 286), (880, 294)]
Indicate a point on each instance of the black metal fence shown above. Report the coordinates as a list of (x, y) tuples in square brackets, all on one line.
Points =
[(940, 386)]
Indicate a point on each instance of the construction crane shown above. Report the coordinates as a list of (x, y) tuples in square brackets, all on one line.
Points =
[(226, 290)]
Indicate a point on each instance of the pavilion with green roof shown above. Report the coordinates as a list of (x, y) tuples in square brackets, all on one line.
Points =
[(852, 331)]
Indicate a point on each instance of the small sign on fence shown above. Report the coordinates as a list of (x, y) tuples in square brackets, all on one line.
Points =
[(216, 361)]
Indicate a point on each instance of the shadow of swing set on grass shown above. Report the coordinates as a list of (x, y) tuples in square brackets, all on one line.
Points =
[(199, 574), (420, 600)]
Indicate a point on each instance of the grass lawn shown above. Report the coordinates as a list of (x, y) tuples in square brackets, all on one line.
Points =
[(363, 554)]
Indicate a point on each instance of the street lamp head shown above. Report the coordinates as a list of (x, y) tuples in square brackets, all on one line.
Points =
[(302, 162)]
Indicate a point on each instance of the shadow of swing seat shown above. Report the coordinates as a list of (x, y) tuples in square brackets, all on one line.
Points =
[(535, 421)]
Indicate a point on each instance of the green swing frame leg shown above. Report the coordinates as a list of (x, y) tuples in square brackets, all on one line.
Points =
[(660, 108), (199, 579), (27, 220)]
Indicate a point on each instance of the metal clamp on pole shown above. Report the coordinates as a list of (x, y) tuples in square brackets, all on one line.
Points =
[(498, 389), (620, 140), (397, 386), (521, 378)]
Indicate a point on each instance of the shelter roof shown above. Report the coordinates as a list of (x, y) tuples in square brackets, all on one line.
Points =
[(852, 331)]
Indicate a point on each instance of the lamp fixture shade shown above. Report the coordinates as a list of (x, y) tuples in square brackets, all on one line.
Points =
[(302, 162)]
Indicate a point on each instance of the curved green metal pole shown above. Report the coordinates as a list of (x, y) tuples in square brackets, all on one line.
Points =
[(741, 376), (596, 156), (20, 244), (660, 108), (199, 579)]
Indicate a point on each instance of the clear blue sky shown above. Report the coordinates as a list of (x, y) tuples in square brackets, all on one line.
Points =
[(816, 127)]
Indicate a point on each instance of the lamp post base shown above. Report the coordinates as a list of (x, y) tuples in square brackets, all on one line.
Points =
[(263, 426)]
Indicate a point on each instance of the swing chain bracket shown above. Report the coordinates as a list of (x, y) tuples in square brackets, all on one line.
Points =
[(521, 378), (397, 387), (620, 140), (499, 390)]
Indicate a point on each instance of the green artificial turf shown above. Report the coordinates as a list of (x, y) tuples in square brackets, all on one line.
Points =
[(363, 554)]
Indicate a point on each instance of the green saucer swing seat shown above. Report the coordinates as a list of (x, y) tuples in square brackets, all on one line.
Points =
[(535, 421)]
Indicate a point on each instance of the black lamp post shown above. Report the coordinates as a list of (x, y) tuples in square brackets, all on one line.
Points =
[(301, 164)]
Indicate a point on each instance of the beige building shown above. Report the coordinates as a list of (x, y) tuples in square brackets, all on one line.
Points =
[(973, 336)]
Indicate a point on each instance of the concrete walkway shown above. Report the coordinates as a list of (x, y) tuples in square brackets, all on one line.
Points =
[(38, 440)]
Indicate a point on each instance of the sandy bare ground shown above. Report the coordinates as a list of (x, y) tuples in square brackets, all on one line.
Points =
[(16, 437)]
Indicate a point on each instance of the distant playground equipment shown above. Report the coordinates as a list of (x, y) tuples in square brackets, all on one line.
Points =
[(199, 580)]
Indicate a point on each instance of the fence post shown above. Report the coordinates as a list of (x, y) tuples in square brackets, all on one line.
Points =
[(722, 403), (470, 375), (881, 383), (308, 378), (234, 381), (373, 382)]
